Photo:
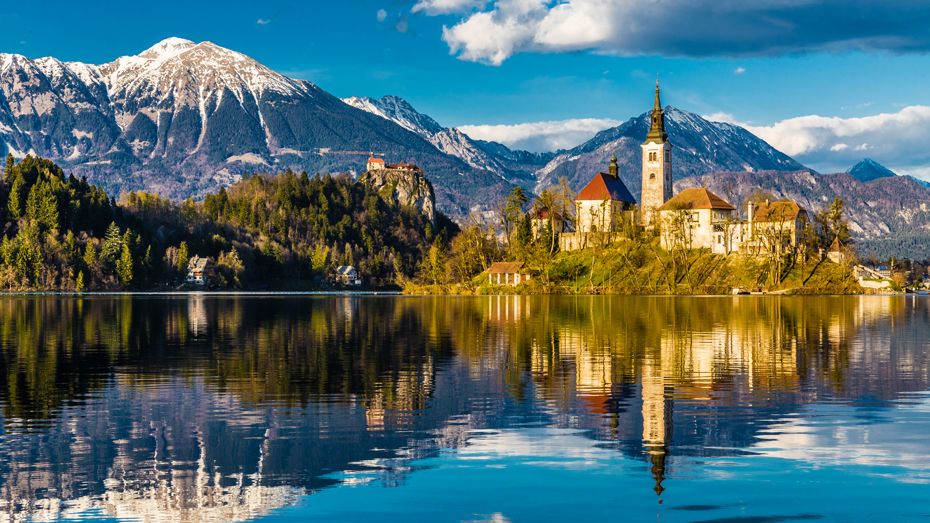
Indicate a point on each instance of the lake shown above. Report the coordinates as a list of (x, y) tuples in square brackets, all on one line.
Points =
[(512, 408)]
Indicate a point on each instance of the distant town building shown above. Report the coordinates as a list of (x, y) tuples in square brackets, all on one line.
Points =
[(507, 273), (197, 269), (347, 275)]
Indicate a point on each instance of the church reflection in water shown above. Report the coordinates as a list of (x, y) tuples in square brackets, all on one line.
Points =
[(227, 408)]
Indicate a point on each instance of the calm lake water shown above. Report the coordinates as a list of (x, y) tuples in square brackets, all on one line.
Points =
[(727, 409)]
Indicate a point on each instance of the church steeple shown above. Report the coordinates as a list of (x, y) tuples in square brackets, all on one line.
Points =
[(657, 132)]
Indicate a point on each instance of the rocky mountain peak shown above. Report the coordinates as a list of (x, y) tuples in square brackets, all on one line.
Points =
[(867, 170)]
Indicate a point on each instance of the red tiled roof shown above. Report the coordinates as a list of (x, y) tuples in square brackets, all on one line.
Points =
[(696, 198), (605, 186), (505, 267), (777, 212), (543, 214), (375, 160)]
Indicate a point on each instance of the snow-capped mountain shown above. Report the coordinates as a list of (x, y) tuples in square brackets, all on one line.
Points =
[(398, 111), (182, 117), (700, 147), (513, 166)]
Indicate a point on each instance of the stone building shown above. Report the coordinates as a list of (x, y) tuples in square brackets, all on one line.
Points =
[(375, 164), (657, 165), (775, 225), (699, 219), (600, 207)]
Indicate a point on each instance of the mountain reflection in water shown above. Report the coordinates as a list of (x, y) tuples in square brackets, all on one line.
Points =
[(230, 408)]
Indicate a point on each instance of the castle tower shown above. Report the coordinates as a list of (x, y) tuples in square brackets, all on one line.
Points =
[(657, 164)]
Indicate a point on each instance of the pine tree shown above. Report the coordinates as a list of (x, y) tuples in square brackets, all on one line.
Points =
[(112, 246), (437, 260), (15, 201), (524, 237), (71, 249), (10, 162), (7, 256), (90, 256), (124, 266), (183, 258), (79, 283)]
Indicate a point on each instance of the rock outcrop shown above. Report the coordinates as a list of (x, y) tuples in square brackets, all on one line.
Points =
[(404, 188)]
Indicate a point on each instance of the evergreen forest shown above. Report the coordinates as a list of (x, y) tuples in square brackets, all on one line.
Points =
[(280, 231)]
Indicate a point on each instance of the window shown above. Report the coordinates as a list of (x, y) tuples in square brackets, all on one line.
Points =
[(652, 176), (719, 240), (667, 156)]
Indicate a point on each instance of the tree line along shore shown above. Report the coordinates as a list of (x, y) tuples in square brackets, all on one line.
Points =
[(290, 231)]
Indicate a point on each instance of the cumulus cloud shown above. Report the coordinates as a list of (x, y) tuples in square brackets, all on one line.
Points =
[(382, 14), (442, 7), (541, 136), (896, 140), (690, 28)]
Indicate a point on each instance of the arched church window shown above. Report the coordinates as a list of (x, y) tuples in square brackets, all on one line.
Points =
[(652, 176)]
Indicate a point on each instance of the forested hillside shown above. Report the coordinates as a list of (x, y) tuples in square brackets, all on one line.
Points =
[(61, 233)]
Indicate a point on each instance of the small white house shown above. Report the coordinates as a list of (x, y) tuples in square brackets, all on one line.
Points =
[(197, 270), (347, 275)]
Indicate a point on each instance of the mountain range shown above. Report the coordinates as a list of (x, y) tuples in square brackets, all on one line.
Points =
[(182, 118)]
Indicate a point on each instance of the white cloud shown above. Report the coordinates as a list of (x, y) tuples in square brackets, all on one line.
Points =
[(863, 106), (696, 28), (740, 70), (382, 14), (896, 140), (541, 136), (442, 7)]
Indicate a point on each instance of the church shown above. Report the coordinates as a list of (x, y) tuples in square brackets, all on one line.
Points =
[(695, 218), (605, 203)]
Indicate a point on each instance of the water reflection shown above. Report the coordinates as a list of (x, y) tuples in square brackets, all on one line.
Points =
[(227, 408)]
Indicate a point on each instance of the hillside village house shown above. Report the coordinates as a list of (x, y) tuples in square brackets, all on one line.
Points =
[(695, 218), (507, 273), (347, 275), (197, 270)]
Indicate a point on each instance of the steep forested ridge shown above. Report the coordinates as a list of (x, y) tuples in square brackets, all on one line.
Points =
[(61, 233)]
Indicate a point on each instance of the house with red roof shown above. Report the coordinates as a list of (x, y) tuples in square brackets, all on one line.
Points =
[(375, 164)]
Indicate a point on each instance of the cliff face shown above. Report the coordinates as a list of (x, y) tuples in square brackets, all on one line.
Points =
[(404, 188)]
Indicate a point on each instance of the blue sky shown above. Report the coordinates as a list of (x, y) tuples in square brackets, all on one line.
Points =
[(800, 73)]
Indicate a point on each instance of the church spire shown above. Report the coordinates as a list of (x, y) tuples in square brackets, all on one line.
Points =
[(657, 132)]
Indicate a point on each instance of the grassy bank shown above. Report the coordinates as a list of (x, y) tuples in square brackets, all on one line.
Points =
[(627, 267)]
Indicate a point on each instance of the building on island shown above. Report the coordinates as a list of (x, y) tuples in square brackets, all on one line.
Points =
[(507, 273), (540, 218), (698, 219), (377, 164), (657, 165), (601, 207), (775, 225)]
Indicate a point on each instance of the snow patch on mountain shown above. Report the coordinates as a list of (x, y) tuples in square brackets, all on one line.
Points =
[(398, 111)]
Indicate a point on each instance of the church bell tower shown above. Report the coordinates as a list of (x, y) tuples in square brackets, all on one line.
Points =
[(657, 164)]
